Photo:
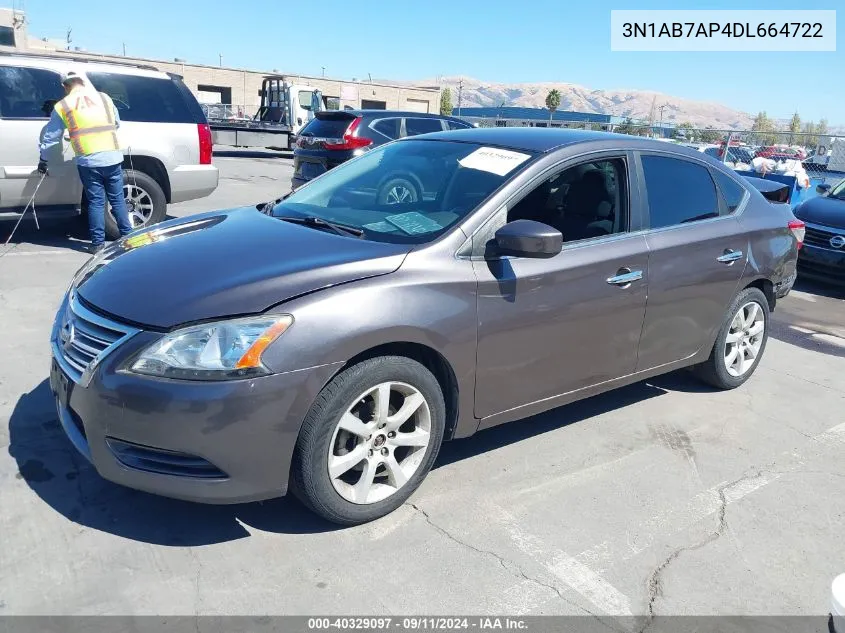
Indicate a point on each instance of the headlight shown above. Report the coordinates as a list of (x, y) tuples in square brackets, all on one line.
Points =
[(213, 351)]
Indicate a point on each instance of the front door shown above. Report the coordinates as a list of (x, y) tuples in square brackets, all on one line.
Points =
[(547, 327), (698, 255)]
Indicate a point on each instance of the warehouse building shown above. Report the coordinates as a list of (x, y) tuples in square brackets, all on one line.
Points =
[(239, 87)]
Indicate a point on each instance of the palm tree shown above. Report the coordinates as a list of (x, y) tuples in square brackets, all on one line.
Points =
[(552, 103)]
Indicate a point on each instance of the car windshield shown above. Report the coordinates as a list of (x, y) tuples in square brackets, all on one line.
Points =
[(838, 191), (410, 191)]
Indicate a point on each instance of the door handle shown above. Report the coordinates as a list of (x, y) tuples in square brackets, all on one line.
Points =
[(624, 277), (729, 256)]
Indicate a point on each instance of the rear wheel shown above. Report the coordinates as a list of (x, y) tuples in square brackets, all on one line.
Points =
[(145, 203), (740, 343), (398, 190), (369, 440)]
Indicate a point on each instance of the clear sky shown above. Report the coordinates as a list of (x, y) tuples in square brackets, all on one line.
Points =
[(494, 40)]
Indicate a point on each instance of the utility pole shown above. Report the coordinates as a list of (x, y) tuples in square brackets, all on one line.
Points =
[(220, 56), (124, 49), (67, 37), (661, 108), (460, 94), (324, 70)]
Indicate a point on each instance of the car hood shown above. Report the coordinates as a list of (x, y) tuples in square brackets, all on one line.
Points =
[(822, 210), (222, 264)]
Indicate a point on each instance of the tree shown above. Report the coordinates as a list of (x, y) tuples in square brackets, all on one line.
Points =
[(794, 128), (685, 130), (764, 128), (709, 135), (552, 102), (810, 139), (446, 102), (822, 129)]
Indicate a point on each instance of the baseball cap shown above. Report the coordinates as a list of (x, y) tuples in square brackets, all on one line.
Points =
[(66, 77)]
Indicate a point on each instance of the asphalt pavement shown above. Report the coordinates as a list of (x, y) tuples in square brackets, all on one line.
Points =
[(664, 497)]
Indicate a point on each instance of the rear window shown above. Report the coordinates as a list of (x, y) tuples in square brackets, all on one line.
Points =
[(145, 99), (458, 125), (732, 192), (329, 127), (388, 127), (679, 191), (414, 126)]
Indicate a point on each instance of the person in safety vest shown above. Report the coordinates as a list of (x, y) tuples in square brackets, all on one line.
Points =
[(91, 121)]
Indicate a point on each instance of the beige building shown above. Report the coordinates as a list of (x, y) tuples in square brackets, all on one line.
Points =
[(241, 88)]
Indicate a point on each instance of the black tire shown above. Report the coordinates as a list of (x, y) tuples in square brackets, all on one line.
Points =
[(713, 371), (310, 480), (142, 181), (398, 184)]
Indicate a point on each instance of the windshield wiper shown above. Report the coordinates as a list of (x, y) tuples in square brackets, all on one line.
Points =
[(320, 223), (267, 207)]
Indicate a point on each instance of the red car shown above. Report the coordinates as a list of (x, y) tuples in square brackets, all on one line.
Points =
[(782, 153)]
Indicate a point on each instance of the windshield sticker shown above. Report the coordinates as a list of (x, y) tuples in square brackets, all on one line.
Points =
[(496, 161), (379, 227), (413, 223)]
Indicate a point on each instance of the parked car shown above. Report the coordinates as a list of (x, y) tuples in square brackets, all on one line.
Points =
[(823, 255), (782, 152), (329, 342), (164, 133), (735, 154), (335, 136)]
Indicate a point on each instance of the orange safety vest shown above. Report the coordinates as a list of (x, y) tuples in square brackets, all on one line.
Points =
[(89, 118)]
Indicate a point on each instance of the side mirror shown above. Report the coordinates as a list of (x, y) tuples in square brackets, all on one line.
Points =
[(527, 238), (823, 188), (299, 121)]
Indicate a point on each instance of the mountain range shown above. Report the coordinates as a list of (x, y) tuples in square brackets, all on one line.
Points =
[(636, 104)]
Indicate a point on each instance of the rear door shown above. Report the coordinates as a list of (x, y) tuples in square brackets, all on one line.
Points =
[(697, 257), (26, 99)]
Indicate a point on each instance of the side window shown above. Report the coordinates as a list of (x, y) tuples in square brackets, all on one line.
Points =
[(146, 99), (733, 193), (387, 127), (679, 191), (304, 97), (458, 125), (582, 202), (28, 93), (414, 126)]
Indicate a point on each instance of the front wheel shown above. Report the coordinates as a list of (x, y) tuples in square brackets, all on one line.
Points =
[(740, 343), (369, 440)]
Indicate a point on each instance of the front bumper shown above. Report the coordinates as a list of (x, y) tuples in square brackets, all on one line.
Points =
[(211, 442), (822, 264)]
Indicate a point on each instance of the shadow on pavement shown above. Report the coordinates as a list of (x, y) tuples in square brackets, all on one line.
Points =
[(813, 287), (65, 232), (64, 480)]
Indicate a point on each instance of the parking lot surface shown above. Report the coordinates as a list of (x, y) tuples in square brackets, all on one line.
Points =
[(664, 497)]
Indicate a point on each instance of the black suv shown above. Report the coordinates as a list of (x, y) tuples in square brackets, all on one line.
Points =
[(335, 136)]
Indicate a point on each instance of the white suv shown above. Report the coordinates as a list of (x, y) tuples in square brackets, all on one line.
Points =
[(164, 134)]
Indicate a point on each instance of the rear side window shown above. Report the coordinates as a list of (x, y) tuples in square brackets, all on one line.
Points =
[(28, 93), (333, 127), (414, 126), (679, 191), (732, 192), (144, 99), (457, 125), (387, 127)]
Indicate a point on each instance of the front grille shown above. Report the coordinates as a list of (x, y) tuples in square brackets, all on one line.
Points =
[(818, 236), (84, 338)]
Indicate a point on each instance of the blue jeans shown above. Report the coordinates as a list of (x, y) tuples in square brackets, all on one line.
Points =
[(101, 183)]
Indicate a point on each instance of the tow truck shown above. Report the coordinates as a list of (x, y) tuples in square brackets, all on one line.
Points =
[(285, 109)]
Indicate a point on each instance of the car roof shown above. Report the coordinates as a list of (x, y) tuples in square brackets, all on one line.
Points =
[(542, 140), (63, 63), (406, 113)]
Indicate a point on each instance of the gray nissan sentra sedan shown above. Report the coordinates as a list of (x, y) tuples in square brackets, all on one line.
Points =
[(328, 344)]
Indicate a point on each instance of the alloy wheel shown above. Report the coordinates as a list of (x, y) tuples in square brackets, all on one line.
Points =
[(399, 194), (744, 339), (379, 442), (139, 204)]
